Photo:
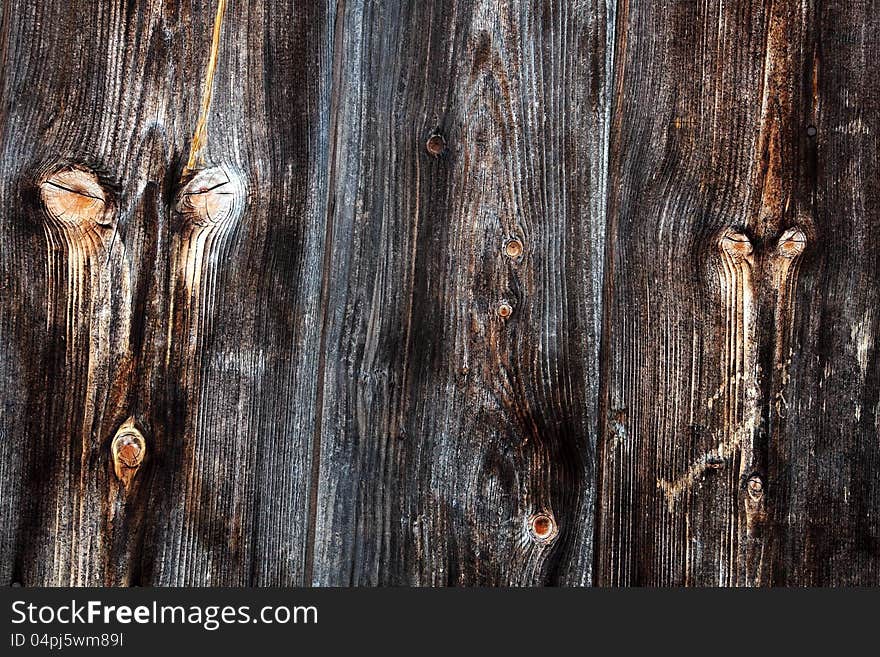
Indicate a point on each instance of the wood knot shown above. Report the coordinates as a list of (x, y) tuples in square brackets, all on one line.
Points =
[(128, 449), (543, 527), (211, 197), (513, 248), (792, 243), (755, 488), (74, 197), (736, 245), (436, 145)]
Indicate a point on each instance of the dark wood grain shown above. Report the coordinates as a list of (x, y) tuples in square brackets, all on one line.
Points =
[(439, 293), (823, 488), (680, 398), (740, 291), (445, 426), (202, 330)]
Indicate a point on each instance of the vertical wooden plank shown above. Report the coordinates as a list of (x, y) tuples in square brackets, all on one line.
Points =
[(739, 347), (190, 317), (460, 379), (822, 486), (703, 187), (68, 315), (236, 487)]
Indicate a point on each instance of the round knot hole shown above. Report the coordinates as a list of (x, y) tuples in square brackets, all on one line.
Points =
[(74, 197), (755, 487), (212, 196), (128, 450), (513, 248), (436, 145), (542, 527), (736, 245)]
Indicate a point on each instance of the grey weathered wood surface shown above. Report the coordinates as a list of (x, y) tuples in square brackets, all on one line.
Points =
[(205, 335), (685, 390), (741, 414), (445, 427)]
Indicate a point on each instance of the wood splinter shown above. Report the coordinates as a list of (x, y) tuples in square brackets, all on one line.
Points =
[(128, 449)]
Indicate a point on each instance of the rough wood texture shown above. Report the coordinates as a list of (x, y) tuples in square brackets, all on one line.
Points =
[(364, 292), (740, 434), (192, 312), (445, 424)]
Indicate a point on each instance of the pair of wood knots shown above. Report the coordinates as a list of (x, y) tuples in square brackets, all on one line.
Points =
[(74, 197), (738, 246)]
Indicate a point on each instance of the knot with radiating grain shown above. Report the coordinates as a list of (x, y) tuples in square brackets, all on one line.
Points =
[(128, 451), (736, 245), (211, 197), (792, 243), (73, 197)]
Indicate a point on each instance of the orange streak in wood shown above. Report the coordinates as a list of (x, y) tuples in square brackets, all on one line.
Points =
[(200, 137)]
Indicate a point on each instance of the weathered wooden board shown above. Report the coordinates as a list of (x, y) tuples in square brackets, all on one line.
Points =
[(740, 433), (467, 170), (824, 490), (467, 292), (193, 313)]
